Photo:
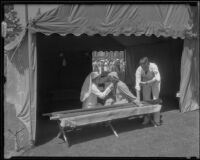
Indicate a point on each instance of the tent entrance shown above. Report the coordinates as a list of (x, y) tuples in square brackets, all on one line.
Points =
[(65, 61)]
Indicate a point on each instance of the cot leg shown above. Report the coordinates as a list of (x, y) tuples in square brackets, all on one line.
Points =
[(65, 137), (110, 125), (156, 119), (154, 124), (62, 132)]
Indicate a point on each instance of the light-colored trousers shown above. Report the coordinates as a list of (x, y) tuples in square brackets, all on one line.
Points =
[(153, 88)]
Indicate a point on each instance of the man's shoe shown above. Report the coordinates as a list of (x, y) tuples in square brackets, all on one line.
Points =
[(146, 120)]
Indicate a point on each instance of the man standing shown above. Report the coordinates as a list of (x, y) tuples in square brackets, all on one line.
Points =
[(148, 81)]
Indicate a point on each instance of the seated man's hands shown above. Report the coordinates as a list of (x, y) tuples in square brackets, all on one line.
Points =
[(109, 102), (143, 83), (137, 102), (111, 86)]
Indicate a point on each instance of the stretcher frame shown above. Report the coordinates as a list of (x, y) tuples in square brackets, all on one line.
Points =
[(75, 119)]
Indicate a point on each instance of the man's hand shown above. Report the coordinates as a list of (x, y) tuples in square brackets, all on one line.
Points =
[(143, 83), (137, 102), (111, 86)]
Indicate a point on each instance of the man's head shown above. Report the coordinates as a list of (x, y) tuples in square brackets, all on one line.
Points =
[(113, 77), (144, 63)]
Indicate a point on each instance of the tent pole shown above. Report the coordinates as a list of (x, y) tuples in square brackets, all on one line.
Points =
[(26, 13), (30, 81), (198, 37)]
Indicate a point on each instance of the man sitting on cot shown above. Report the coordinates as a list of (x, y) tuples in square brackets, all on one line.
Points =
[(121, 93), (90, 91)]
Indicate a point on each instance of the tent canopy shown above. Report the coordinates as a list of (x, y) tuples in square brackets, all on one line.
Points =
[(160, 20)]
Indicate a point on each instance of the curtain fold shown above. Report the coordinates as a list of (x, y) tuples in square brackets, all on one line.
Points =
[(130, 68), (19, 89), (189, 85)]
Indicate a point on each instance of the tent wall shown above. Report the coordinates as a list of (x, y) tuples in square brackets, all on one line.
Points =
[(189, 85), (21, 84)]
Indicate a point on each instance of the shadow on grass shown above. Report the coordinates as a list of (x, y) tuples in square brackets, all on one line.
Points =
[(47, 129), (89, 133)]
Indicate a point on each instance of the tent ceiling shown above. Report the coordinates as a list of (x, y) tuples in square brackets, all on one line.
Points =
[(159, 20)]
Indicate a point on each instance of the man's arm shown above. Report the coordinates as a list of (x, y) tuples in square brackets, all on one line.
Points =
[(137, 83), (138, 95), (100, 94), (156, 74)]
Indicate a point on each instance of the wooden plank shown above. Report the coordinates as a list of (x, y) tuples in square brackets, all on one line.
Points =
[(61, 115), (86, 110), (144, 103)]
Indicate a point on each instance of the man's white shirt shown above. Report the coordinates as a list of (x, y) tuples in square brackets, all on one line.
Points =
[(153, 72)]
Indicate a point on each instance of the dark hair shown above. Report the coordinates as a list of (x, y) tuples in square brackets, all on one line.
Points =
[(144, 60)]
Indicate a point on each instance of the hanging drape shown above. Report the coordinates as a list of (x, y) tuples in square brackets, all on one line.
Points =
[(20, 88), (189, 85)]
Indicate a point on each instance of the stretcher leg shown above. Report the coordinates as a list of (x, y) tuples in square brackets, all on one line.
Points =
[(112, 128), (62, 132)]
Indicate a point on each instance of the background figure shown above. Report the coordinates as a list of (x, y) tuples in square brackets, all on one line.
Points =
[(106, 68), (147, 77), (95, 67)]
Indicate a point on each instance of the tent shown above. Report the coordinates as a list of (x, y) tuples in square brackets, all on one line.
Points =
[(167, 34)]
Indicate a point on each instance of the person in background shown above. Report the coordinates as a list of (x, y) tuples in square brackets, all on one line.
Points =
[(148, 81), (95, 67), (90, 91)]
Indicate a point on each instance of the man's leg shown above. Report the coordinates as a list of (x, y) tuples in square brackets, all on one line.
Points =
[(146, 92), (156, 92)]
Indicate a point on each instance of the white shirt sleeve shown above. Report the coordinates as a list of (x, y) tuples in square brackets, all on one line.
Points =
[(138, 78), (156, 72), (100, 94)]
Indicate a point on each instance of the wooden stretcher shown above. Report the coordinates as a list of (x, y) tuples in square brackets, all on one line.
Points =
[(69, 120)]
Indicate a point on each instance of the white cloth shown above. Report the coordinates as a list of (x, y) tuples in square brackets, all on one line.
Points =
[(140, 75), (86, 88)]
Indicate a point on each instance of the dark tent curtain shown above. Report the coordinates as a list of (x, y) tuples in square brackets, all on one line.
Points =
[(130, 68)]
